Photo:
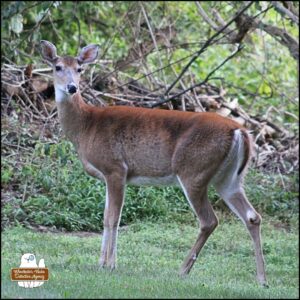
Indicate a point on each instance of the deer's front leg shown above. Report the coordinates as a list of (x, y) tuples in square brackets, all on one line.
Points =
[(115, 188)]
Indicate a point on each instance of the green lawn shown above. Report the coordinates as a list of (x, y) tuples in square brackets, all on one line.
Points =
[(149, 257)]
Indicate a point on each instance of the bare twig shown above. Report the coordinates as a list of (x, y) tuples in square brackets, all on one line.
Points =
[(154, 41), (79, 31), (205, 17), (208, 43), (240, 47), (285, 11), (277, 33)]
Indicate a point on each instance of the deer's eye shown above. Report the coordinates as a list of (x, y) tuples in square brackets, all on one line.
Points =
[(79, 70), (58, 68)]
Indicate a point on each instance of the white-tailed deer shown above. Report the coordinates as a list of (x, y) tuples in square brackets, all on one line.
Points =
[(122, 145)]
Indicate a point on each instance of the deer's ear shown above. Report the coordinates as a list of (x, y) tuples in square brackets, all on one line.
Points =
[(88, 54), (48, 52)]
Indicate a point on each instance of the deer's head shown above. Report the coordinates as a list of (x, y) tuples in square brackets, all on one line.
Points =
[(67, 69)]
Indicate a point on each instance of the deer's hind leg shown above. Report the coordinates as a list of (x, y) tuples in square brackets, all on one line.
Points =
[(198, 200), (231, 190)]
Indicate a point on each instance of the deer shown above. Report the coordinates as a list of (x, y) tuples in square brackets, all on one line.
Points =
[(122, 145)]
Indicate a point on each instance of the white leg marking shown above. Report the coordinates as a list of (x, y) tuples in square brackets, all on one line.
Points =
[(251, 215), (105, 237), (106, 196)]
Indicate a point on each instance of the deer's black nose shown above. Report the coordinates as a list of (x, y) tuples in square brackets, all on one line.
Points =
[(72, 88)]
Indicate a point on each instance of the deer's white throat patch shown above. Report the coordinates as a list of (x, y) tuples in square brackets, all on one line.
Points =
[(61, 96)]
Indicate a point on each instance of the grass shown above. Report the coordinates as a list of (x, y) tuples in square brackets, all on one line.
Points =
[(149, 257)]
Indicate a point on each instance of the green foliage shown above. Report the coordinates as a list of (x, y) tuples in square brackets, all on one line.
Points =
[(56, 191), (149, 258)]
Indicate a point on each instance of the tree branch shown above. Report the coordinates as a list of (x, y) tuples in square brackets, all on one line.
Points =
[(285, 11), (290, 5), (207, 43), (279, 34), (205, 17), (240, 47), (154, 40)]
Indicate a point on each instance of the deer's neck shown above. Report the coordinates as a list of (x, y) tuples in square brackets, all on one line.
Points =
[(72, 113)]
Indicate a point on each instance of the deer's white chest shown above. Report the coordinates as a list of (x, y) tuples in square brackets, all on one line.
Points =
[(144, 180)]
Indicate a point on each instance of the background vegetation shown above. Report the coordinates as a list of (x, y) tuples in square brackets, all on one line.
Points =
[(147, 45)]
